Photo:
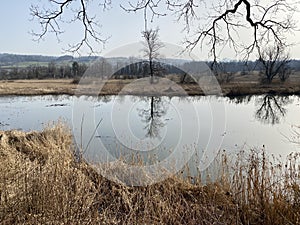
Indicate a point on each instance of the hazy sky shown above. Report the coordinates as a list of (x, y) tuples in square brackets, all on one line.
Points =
[(123, 28)]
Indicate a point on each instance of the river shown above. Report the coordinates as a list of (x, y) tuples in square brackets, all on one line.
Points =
[(158, 125)]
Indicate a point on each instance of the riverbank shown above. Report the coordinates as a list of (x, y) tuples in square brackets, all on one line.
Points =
[(42, 182), (241, 85)]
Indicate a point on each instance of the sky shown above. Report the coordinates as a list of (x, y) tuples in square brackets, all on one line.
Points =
[(121, 27)]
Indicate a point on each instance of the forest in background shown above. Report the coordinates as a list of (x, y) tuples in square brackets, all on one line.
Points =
[(13, 67)]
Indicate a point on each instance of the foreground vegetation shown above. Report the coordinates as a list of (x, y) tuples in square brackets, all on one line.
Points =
[(42, 182)]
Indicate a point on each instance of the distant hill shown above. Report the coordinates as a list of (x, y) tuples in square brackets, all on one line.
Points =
[(13, 59), (8, 59), (21, 61)]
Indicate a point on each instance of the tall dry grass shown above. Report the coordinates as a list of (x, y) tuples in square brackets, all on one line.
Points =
[(266, 189), (41, 182)]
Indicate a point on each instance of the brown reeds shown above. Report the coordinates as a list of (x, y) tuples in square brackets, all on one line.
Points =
[(41, 182)]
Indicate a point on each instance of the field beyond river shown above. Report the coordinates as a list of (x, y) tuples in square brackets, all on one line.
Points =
[(240, 85)]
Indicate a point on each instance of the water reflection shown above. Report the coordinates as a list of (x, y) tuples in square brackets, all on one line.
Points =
[(152, 116), (271, 108), (157, 119), (241, 99)]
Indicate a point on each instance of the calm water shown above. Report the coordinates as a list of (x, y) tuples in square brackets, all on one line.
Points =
[(158, 125)]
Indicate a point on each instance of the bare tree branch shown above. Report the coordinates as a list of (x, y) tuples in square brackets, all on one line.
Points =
[(146, 5), (184, 11), (50, 20), (264, 30), (269, 22)]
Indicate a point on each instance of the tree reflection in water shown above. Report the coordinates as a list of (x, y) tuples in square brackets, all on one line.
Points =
[(271, 108), (153, 115)]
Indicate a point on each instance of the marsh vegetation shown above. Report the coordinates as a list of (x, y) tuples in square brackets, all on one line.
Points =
[(43, 182)]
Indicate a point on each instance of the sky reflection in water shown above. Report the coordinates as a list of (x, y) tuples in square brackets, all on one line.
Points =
[(155, 122)]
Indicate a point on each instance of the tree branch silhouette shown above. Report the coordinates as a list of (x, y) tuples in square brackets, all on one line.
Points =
[(51, 19), (269, 22), (264, 20)]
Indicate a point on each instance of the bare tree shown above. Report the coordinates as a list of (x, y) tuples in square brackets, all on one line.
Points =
[(274, 61), (152, 45), (269, 21)]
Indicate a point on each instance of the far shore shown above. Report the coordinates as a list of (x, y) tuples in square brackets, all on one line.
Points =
[(243, 85)]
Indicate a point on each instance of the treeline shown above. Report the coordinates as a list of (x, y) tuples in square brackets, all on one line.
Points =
[(244, 67), (51, 71), (122, 69), (142, 69)]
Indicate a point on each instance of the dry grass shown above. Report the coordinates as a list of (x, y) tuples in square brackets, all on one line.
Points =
[(42, 183), (37, 87), (240, 85)]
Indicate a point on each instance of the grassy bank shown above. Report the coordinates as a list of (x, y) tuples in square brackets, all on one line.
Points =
[(41, 182), (240, 85)]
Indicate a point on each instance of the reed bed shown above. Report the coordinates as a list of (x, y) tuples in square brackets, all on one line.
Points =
[(42, 182)]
